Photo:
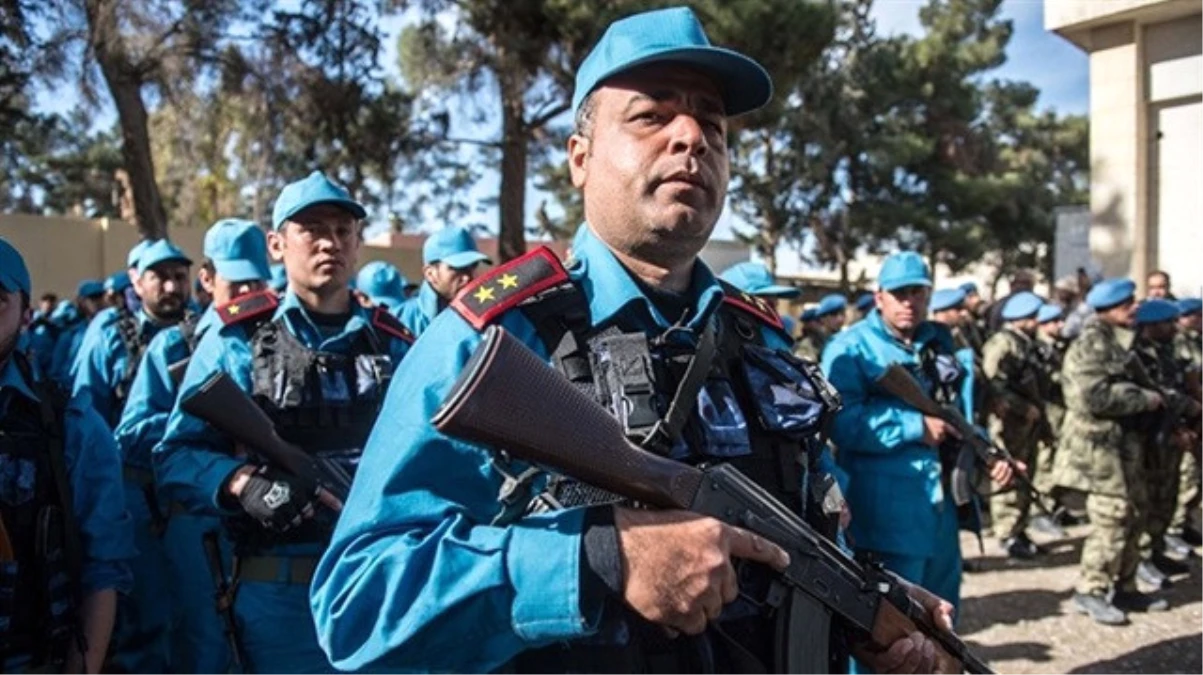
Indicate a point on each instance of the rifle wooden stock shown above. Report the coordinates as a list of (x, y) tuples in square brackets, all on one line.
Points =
[(508, 398), (226, 407)]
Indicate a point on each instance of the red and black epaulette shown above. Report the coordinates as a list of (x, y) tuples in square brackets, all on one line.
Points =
[(505, 286), (384, 321), (751, 304), (248, 306)]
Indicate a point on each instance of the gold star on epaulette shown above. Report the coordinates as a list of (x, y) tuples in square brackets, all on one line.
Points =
[(483, 294), (233, 309), (508, 281)]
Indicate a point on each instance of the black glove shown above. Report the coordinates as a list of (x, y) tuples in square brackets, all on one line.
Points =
[(278, 500)]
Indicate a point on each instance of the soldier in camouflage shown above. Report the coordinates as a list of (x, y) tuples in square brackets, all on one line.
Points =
[(810, 345), (1050, 353), (1101, 457), (1188, 350), (1016, 413)]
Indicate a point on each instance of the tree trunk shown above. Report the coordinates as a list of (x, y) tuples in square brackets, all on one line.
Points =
[(511, 237), (125, 84)]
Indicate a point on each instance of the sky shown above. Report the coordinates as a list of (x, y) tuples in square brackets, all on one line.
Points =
[(1046, 60)]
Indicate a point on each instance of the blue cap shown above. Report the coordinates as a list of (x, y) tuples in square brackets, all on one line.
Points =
[(905, 268), (1049, 312), (756, 279), (970, 287), (1156, 310), (312, 190), (1111, 292), (64, 312), (454, 246), (830, 304), (1021, 305), (161, 251), (382, 283), (865, 302), (947, 298), (14, 275), (117, 282), (89, 287), (810, 314), (1188, 306), (131, 258), (673, 35), (238, 249)]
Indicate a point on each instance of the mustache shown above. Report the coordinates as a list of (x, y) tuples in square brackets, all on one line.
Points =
[(693, 172)]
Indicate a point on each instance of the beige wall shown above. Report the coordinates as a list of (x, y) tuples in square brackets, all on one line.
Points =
[(60, 252)]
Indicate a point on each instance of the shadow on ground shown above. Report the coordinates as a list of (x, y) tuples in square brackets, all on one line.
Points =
[(1036, 652), (1060, 554), (1176, 655), (1009, 607)]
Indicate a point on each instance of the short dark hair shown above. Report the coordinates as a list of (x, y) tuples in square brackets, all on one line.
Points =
[(1159, 273), (583, 120), (49, 297)]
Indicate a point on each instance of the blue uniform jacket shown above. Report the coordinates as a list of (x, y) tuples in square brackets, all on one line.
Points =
[(94, 473), (64, 353), (153, 392), (894, 488), (417, 312), (416, 577), (101, 362), (193, 460)]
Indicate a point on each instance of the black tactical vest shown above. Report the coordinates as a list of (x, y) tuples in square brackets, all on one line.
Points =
[(39, 588), (323, 402), (636, 378)]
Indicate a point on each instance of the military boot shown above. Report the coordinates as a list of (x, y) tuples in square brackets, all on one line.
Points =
[(1168, 566), (1096, 605), (1177, 546), (1135, 601), (1149, 575)]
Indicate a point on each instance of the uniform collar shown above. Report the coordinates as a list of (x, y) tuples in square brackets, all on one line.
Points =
[(208, 319), (296, 314), (610, 288), (1017, 333), (428, 300)]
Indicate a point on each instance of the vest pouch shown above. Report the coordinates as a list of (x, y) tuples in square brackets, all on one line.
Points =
[(332, 379), (790, 396), (625, 380), (723, 425), (372, 374)]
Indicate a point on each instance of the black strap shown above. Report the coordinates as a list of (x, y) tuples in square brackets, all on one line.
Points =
[(669, 429)]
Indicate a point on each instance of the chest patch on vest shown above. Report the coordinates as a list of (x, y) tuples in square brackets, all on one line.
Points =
[(388, 324), (751, 304), (505, 286), (247, 306)]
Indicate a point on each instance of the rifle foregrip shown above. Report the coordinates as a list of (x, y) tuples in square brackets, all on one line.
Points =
[(893, 624), (508, 398)]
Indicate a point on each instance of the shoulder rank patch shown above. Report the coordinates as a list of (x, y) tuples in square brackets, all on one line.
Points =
[(756, 306), (384, 321), (247, 307), (503, 287)]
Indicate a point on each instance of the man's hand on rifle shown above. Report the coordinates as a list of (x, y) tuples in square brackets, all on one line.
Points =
[(1003, 473), (915, 653), (936, 431), (677, 569), (277, 500)]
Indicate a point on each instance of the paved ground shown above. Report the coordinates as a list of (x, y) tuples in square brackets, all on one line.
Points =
[(1019, 617)]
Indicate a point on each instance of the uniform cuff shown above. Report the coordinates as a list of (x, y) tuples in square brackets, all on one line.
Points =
[(541, 548), (912, 426)]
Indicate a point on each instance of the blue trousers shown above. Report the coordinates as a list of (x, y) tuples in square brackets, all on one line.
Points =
[(141, 637), (939, 573), (198, 641), (277, 629)]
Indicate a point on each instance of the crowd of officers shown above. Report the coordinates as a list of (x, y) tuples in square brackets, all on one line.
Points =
[(125, 513)]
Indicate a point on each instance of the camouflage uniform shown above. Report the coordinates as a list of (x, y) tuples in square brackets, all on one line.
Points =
[(1100, 457), (1010, 366), (1050, 353), (1189, 351), (1162, 458), (810, 345)]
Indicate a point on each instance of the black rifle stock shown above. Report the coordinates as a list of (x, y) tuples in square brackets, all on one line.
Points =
[(898, 382), (507, 397), (219, 402), (223, 599)]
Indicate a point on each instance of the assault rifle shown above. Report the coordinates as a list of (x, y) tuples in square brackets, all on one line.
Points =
[(501, 400), (227, 408), (223, 598), (1178, 410), (898, 382)]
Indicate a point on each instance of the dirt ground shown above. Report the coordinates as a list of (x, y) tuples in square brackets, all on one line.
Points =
[(1020, 618)]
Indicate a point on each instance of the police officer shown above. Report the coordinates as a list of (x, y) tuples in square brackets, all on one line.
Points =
[(1101, 456), (113, 345), (947, 307), (901, 514), (170, 542), (383, 284), (864, 305), (43, 332), (1050, 354), (318, 365), (1016, 415), (65, 539), (449, 262), (1188, 348), (592, 588), (1153, 348), (89, 300)]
